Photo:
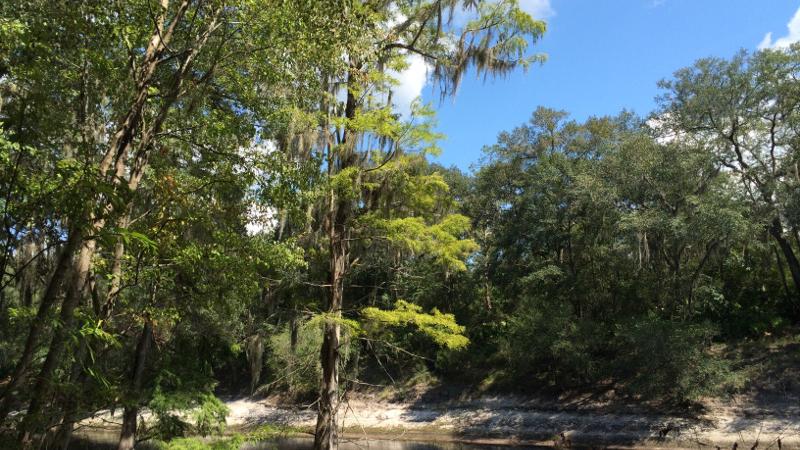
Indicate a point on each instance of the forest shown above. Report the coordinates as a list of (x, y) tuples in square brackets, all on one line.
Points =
[(210, 199)]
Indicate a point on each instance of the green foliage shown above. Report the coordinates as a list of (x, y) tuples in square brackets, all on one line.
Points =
[(612, 250), (547, 343), (182, 413), (209, 417), (441, 328), (440, 240), (349, 327), (268, 431), (232, 443), (276, 175), (666, 359), (295, 370)]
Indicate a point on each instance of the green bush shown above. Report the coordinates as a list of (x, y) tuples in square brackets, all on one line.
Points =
[(233, 443), (268, 431), (549, 344), (646, 356), (658, 358), (209, 417), (206, 414)]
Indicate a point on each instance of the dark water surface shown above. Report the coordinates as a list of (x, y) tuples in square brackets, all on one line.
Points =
[(101, 441), (306, 443)]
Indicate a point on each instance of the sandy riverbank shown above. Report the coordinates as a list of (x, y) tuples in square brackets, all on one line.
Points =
[(507, 420)]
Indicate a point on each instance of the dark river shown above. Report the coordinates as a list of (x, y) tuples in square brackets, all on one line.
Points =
[(99, 442)]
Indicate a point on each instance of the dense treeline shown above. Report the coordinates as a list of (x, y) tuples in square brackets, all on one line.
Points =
[(208, 198), (622, 248)]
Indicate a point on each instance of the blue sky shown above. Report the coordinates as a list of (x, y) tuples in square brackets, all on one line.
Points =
[(604, 56)]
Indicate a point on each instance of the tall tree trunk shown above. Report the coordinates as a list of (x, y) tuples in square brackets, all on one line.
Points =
[(325, 435), (44, 382), (27, 269), (336, 225), (294, 329), (127, 436), (78, 375), (20, 374)]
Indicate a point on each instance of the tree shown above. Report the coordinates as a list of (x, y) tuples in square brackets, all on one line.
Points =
[(589, 230), (97, 93), (355, 134), (744, 111)]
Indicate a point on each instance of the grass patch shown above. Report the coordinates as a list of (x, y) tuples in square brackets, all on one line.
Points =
[(195, 443), (268, 431)]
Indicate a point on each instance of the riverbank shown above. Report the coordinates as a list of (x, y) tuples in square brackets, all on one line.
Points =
[(515, 421)]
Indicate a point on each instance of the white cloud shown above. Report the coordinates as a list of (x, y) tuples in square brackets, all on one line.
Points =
[(412, 80), (538, 9), (794, 35)]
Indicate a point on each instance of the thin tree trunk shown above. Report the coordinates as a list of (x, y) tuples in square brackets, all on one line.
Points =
[(127, 437), (27, 269), (294, 328), (78, 376), (325, 435), (254, 351)]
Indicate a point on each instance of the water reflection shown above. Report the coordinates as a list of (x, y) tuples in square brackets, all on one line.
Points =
[(306, 443), (102, 441)]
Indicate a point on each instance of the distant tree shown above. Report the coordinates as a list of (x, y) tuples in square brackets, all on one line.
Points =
[(745, 110)]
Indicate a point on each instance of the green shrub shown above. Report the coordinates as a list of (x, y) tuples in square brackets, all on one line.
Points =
[(181, 413), (209, 417), (660, 358), (232, 443), (269, 431), (549, 344), (647, 356)]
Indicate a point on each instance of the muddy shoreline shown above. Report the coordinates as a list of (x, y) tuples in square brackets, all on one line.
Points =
[(506, 421), (509, 421)]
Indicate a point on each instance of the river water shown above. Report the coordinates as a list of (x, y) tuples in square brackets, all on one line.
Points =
[(100, 442), (305, 443)]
